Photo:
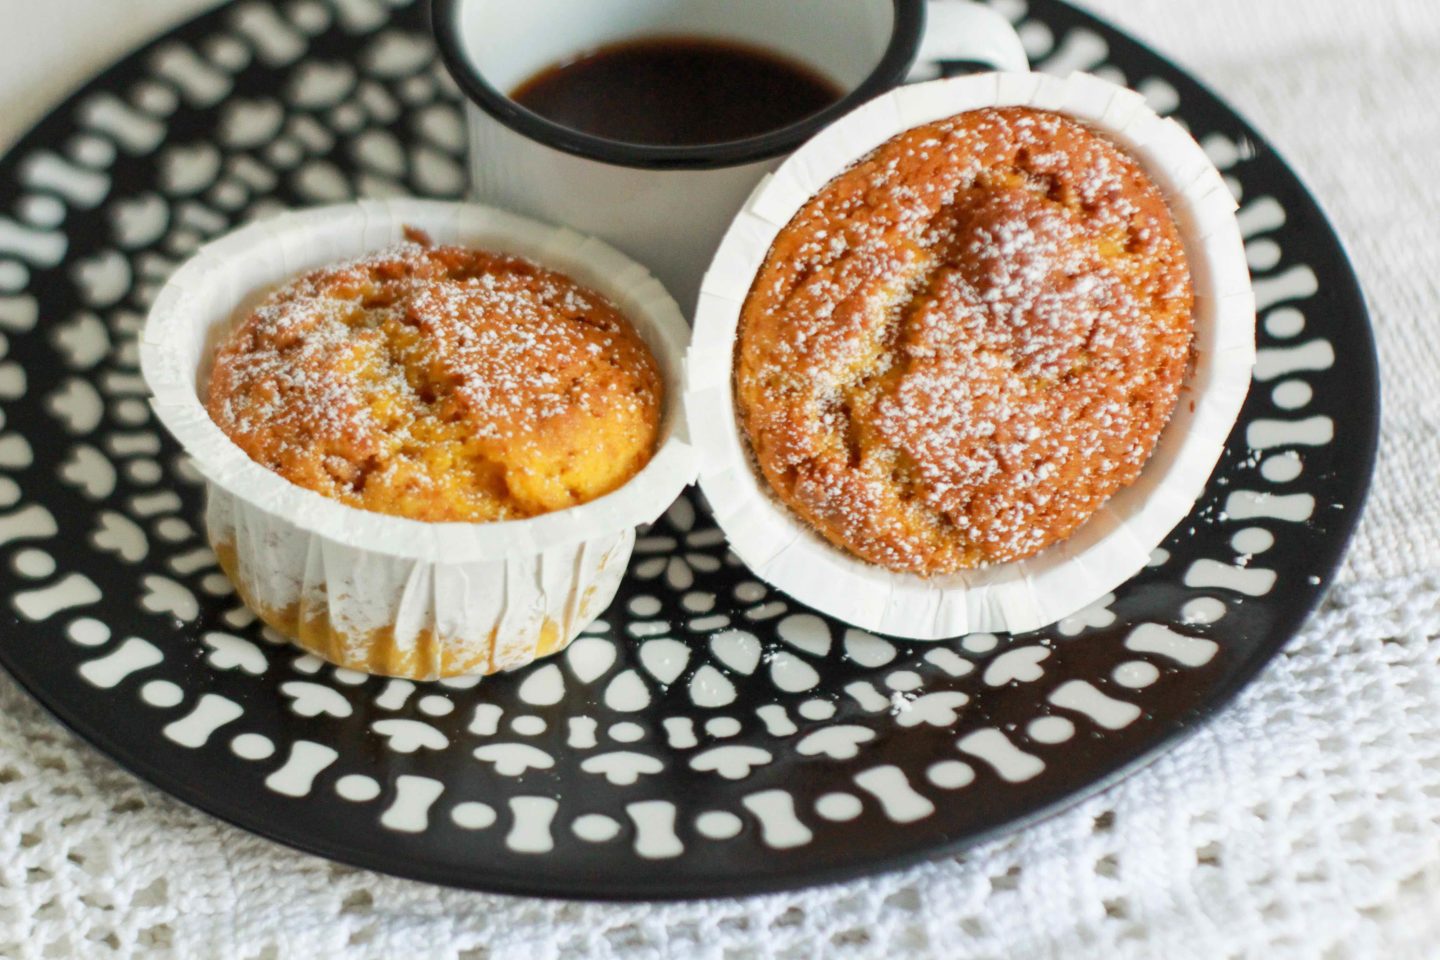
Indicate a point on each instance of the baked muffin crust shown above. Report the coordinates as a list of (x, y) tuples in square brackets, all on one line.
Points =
[(964, 344), (440, 383)]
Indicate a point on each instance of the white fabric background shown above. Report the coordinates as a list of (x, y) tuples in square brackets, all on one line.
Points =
[(1304, 823)]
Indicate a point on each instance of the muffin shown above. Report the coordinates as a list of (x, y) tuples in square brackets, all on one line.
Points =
[(442, 384), (963, 345), (427, 461), (967, 358)]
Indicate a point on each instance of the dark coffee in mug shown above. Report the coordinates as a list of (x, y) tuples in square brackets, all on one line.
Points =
[(677, 91)]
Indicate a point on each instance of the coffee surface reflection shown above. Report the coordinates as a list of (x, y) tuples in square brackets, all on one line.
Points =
[(677, 91)]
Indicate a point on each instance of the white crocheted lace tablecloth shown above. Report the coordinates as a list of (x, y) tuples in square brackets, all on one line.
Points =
[(1304, 822)]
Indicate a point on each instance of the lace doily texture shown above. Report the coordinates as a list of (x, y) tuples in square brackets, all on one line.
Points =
[(1304, 822)]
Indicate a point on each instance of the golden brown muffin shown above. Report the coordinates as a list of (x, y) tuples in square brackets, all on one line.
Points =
[(440, 383), (965, 343)]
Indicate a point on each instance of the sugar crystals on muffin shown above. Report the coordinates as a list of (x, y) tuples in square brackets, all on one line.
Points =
[(964, 344), (440, 383)]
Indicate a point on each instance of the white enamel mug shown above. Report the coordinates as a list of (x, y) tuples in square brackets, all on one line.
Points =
[(668, 206)]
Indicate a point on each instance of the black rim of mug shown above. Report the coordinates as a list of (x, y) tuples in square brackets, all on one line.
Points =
[(900, 53)]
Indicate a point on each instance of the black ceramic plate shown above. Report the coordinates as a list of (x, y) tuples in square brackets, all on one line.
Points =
[(707, 736)]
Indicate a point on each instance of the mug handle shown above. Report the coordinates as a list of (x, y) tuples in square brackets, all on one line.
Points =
[(966, 31)]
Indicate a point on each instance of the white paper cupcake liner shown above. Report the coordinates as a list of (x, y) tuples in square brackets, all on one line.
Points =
[(1113, 544), (441, 598)]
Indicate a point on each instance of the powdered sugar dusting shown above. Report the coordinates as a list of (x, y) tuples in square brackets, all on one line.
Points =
[(440, 383), (963, 345)]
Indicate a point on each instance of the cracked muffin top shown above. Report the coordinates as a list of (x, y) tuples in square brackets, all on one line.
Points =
[(442, 384), (964, 344)]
